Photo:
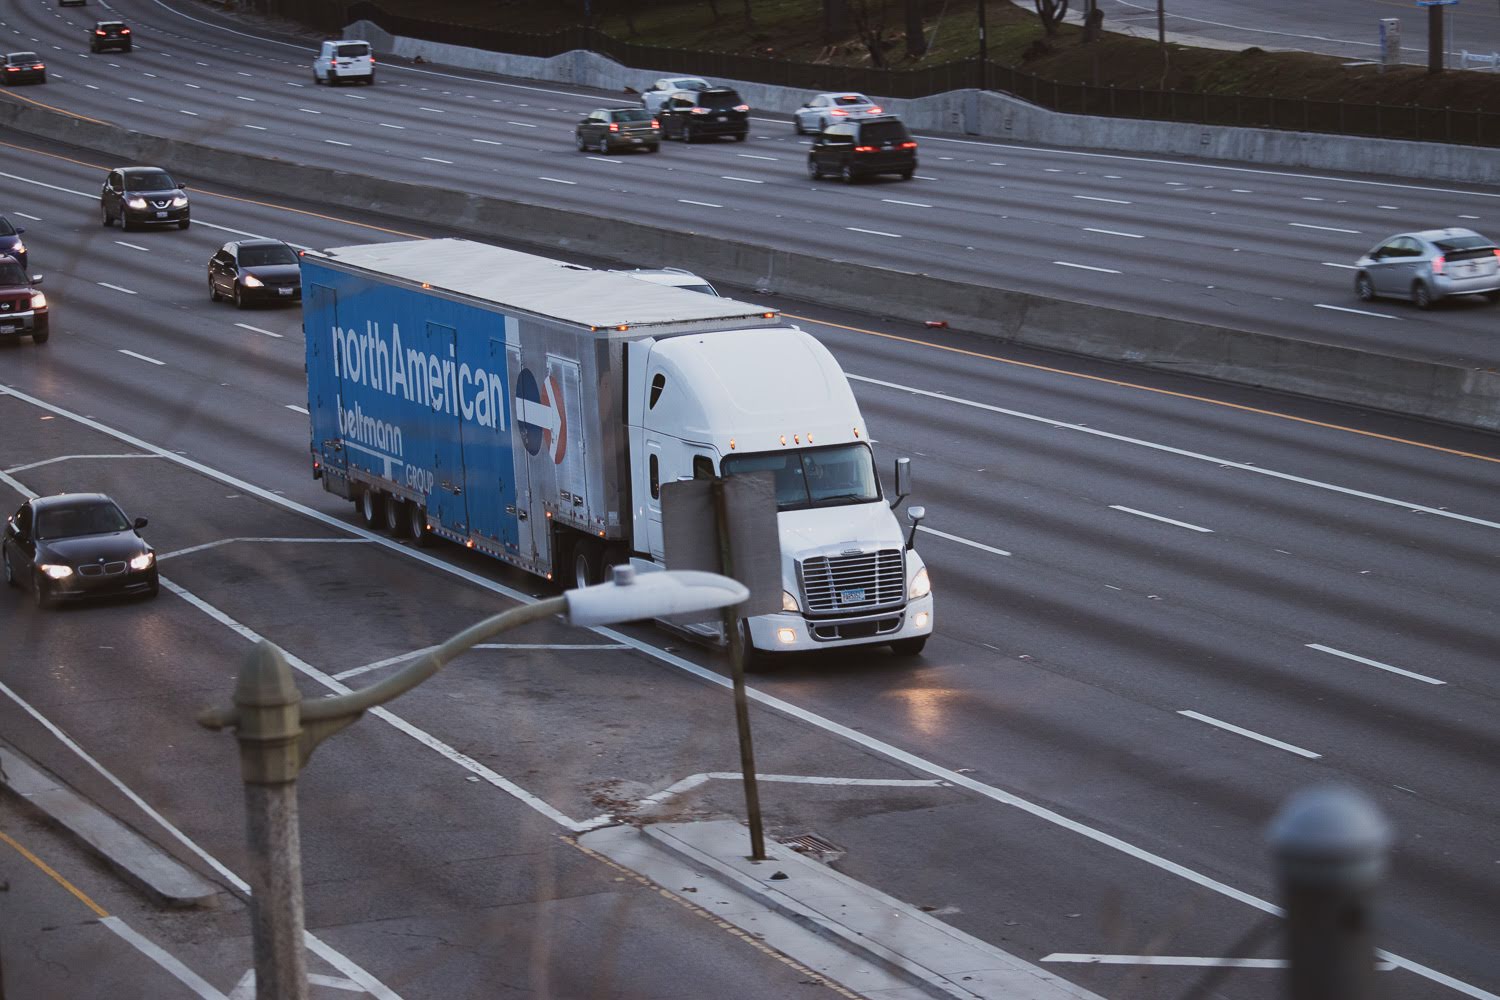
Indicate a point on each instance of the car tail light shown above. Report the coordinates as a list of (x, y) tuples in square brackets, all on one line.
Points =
[(40, 66), (124, 31), (657, 124), (100, 32), (742, 107), (1438, 263), (838, 111), (614, 126), (12, 69), (866, 149), (1497, 251), (908, 145), (372, 60), (874, 110)]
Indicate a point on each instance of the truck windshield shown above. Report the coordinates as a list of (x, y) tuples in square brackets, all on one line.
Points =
[(814, 477)]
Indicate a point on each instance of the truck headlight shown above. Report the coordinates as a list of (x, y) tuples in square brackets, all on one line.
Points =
[(143, 561), (788, 602), (56, 571), (38, 300), (921, 586)]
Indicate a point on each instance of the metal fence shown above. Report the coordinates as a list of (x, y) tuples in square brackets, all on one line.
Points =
[(1470, 127)]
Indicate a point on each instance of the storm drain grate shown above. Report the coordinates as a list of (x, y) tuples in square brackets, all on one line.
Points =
[(815, 846)]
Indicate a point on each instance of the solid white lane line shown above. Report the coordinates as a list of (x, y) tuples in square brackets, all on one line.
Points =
[(1347, 267), (489, 142), (742, 180), (897, 201), (389, 125), (1158, 517), (193, 85), (873, 232), (142, 357), (132, 246), (1389, 208), (70, 458), (192, 549), (1184, 960), (1112, 232), (752, 156), (708, 676), (137, 100), (556, 180), (522, 124), (250, 99), (1357, 312), (1324, 229), (1230, 727), (171, 963), (335, 142), (309, 111), (704, 204), (299, 409), (258, 128), (434, 159), (1308, 197), (1375, 663), (924, 177), (256, 329), (117, 288), (415, 653), (1180, 452), (605, 159), (1086, 267), (962, 541), (433, 110), (1242, 190), (33, 218), (1474, 217), (1112, 201), (181, 111)]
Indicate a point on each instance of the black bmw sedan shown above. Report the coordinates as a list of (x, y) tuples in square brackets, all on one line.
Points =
[(76, 545)]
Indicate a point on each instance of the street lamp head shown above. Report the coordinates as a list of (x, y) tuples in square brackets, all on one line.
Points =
[(630, 596)]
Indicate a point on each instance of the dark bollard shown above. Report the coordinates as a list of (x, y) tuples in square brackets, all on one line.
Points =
[(1330, 846)]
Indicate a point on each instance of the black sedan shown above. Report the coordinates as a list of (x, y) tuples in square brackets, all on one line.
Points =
[(24, 67), (76, 545), (249, 271), (10, 241)]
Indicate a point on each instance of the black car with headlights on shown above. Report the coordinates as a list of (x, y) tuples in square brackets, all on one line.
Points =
[(76, 545), (10, 241), (23, 307), (246, 271), (140, 196)]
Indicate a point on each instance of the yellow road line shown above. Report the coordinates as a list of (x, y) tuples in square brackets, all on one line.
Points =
[(1146, 388), (98, 910), (61, 111)]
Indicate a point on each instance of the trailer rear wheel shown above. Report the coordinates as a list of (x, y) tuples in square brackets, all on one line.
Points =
[(416, 525), (586, 563), (395, 517), (372, 509)]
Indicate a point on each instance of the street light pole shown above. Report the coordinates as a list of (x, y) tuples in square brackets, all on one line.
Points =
[(277, 733), (983, 51)]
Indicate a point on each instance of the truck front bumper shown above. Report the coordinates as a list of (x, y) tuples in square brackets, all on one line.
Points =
[(790, 632)]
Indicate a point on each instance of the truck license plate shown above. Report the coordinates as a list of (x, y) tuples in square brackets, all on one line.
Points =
[(854, 595), (9, 328)]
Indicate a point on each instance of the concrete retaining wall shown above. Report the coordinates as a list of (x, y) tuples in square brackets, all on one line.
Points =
[(1447, 393), (997, 116)]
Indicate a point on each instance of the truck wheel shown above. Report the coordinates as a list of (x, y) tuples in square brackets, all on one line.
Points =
[(395, 517), (909, 647), (416, 525), (372, 509), (586, 558), (757, 661)]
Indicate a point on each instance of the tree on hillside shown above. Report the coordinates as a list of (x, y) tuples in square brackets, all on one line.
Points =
[(870, 17), (916, 38), (835, 20), (1052, 13)]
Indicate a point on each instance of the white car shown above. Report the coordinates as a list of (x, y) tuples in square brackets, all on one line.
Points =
[(654, 95), (823, 110), (674, 277), (338, 61)]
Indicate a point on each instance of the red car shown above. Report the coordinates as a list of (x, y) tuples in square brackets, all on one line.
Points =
[(23, 308)]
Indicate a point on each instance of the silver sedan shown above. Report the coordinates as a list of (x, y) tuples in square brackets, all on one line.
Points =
[(1428, 266), (822, 110)]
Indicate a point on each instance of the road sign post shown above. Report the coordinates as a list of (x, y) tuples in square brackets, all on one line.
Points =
[(1437, 56)]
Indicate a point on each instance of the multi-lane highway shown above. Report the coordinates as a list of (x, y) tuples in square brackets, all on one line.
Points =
[(1162, 609), (1244, 247)]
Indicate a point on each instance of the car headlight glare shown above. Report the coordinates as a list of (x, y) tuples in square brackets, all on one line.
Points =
[(251, 281), (19, 248), (143, 561), (788, 602), (921, 586), (38, 300), (57, 571), (136, 202), (179, 201)]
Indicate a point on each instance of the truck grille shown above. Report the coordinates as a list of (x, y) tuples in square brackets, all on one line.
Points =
[(841, 584)]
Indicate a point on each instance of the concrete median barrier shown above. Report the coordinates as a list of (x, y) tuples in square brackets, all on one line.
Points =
[(1449, 393)]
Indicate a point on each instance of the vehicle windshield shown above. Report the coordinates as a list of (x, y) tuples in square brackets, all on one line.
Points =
[(814, 477), (720, 99), (11, 272), (73, 521), (1462, 243), (6, 229), (155, 180), (633, 115), (885, 131), (261, 256)]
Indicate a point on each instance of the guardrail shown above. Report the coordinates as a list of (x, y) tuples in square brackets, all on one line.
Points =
[(1478, 60), (1460, 126)]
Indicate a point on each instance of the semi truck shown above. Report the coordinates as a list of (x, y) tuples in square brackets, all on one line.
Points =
[(532, 409)]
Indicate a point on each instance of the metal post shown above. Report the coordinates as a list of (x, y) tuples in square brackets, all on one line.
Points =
[(269, 707), (1330, 847), (737, 672), (1161, 22), (983, 52), (1435, 54)]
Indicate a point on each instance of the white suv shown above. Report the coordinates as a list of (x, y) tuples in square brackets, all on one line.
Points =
[(339, 61)]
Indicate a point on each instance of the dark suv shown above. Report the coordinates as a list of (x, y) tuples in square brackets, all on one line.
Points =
[(852, 150), (143, 196), (110, 35), (688, 114), (23, 307)]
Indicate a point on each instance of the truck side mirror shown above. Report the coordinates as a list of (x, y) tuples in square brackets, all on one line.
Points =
[(140, 522), (916, 514), (903, 481)]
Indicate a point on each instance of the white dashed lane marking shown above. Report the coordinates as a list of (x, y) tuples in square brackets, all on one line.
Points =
[(142, 357)]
